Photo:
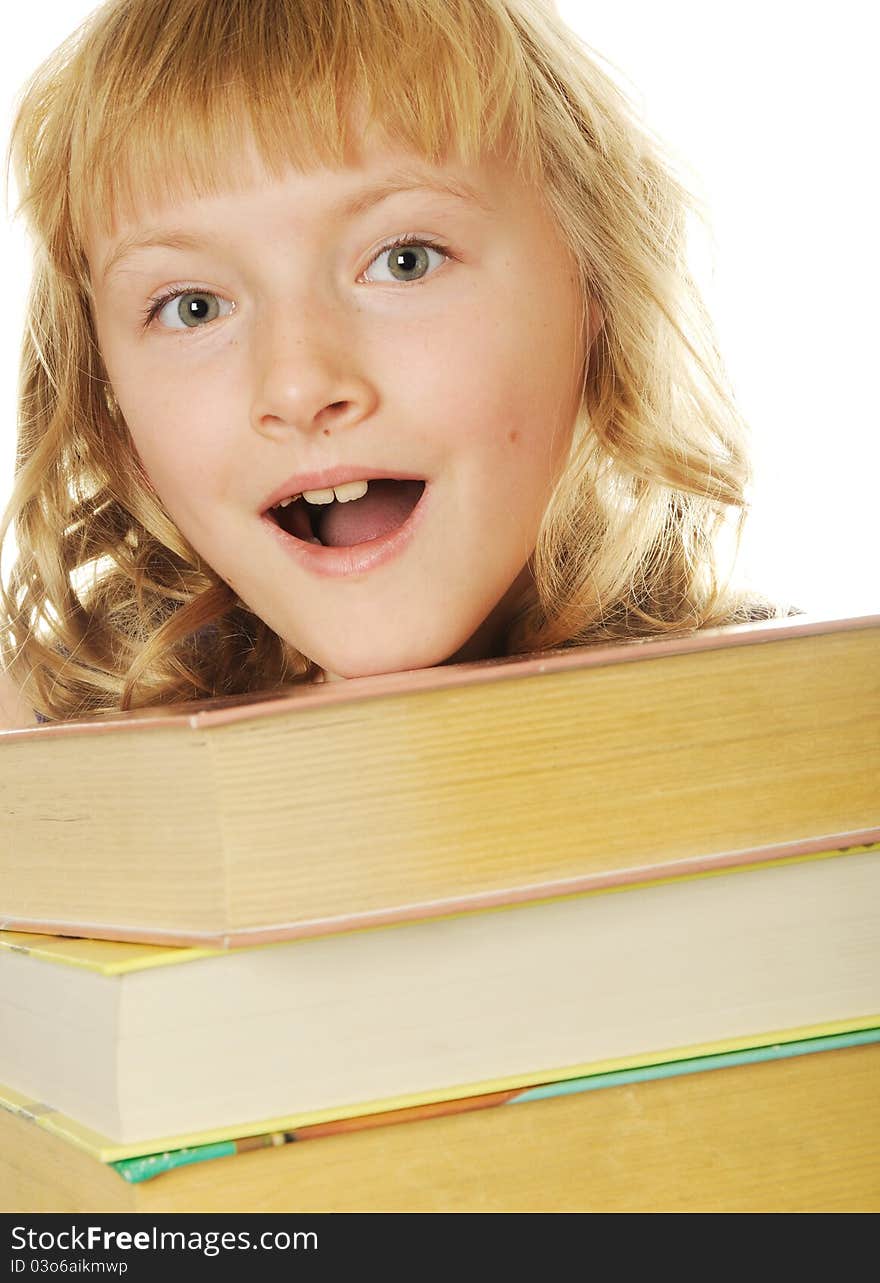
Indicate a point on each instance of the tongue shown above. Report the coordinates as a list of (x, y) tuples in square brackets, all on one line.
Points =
[(384, 508)]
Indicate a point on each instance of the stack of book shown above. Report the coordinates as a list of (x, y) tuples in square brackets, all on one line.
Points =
[(595, 930)]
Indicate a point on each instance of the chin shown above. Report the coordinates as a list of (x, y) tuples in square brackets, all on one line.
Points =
[(395, 659), (341, 670)]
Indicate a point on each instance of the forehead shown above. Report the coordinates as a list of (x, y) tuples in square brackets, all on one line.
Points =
[(374, 171), (203, 157), (160, 100)]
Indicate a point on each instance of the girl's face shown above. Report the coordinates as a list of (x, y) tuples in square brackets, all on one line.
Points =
[(303, 352)]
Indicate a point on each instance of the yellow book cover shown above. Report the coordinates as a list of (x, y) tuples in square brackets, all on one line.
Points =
[(148, 1047), (795, 1131)]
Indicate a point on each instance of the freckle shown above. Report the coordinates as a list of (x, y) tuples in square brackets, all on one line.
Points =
[(326, 432), (513, 436)]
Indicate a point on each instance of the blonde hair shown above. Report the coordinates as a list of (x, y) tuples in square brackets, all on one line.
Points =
[(108, 606)]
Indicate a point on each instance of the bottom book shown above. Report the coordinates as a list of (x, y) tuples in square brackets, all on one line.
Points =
[(794, 1128)]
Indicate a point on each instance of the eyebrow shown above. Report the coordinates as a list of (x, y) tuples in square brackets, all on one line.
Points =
[(350, 207)]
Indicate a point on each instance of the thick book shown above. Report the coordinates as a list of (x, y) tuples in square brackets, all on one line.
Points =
[(788, 1128), (149, 1048), (424, 793)]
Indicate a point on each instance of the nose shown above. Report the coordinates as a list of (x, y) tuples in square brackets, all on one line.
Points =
[(307, 377)]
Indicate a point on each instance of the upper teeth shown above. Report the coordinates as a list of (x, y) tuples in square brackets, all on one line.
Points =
[(350, 490)]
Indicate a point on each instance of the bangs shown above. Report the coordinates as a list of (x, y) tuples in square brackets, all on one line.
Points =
[(166, 98)]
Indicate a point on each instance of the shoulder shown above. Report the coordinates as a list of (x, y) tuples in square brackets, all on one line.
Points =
[(15, 712)]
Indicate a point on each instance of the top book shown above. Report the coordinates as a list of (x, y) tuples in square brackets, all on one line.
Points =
[(324, 808)]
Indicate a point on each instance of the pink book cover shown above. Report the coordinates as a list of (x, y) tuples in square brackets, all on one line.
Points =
[(204, 714), (199, 714)]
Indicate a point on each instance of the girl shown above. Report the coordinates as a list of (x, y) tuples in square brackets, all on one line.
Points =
[(361, 339)]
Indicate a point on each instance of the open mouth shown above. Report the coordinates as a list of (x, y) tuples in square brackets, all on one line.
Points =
[(347, 522)]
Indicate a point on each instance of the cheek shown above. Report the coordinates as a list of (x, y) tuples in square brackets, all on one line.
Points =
[(188, 471), (516, 386), (171, 452), (181, 439), (550, 373), (172, 403)]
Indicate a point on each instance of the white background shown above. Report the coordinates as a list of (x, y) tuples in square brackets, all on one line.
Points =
[(771, 108)]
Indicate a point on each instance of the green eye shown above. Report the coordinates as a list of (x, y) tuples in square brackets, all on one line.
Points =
[(187, 309), (408, 259), (192, 309)]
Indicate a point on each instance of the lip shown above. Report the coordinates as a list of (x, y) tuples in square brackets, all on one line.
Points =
[(335, 477), (338, 562)]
